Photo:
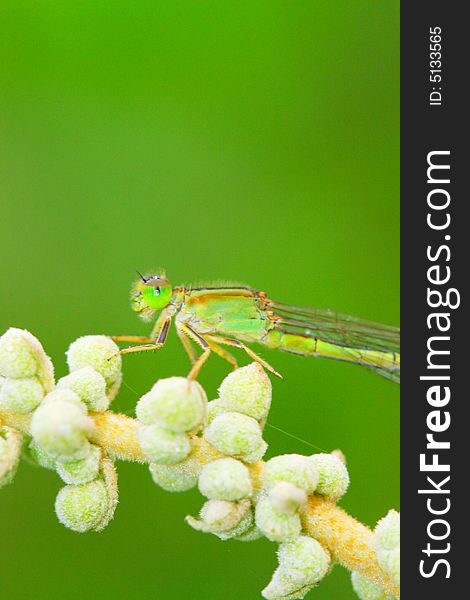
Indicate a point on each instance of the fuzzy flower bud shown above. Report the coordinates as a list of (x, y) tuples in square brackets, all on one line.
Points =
[(225, 479), (89, 385), (81, 470), (389, 560), (41, 457), (21, 395), (224, 519), (174, 478), (256, 454), (250, 535), (23, 357), (162, 446), (293, 468), (334, 477), (276, 526), (60, 426), (82, 507), (10, 448), (366, 589), (387, 531), (236, 434), (184, 475), (247, 390), (65, 395), (214, 409), (174, 403), (95, 351), (302, 564), (387, 544), (17, 358), (286, 497)]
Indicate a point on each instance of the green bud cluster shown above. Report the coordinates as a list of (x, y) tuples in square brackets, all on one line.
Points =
[(26, 372), (188, 442), (60, 425), (172, 409), (287, 481), (237, 416)]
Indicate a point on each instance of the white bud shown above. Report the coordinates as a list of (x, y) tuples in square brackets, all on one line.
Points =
[(184, 475), (275, 525), (389, 560), (334, 477), (387, 531), (286, 497), (96, 351), (247, 390), (293, 468), (175, 403), (214, 409), (17, 358), (225, 479), (65, 395), (82, 507), (235, 434), (256, 454), (81, 470), (226, 520), (175, 478), (89, 385), (61, 429), (23, 357), (162, 446), (21, 395), (302, 564)]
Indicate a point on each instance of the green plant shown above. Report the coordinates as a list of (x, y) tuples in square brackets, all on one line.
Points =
[(188, 442)]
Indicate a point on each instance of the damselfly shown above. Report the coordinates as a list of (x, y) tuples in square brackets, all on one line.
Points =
[(231, 315)]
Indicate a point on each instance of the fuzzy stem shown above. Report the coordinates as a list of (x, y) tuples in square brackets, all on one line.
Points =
[(348, 540)]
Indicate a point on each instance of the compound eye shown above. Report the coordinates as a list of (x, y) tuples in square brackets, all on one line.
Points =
[(156, 296)]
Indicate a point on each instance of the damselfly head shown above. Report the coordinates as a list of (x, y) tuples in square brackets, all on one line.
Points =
[(150, 293)]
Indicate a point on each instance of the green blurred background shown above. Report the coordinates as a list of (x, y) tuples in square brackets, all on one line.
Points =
[(249, 141)]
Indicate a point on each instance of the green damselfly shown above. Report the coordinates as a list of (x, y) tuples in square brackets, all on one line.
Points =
[(231, 315)]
